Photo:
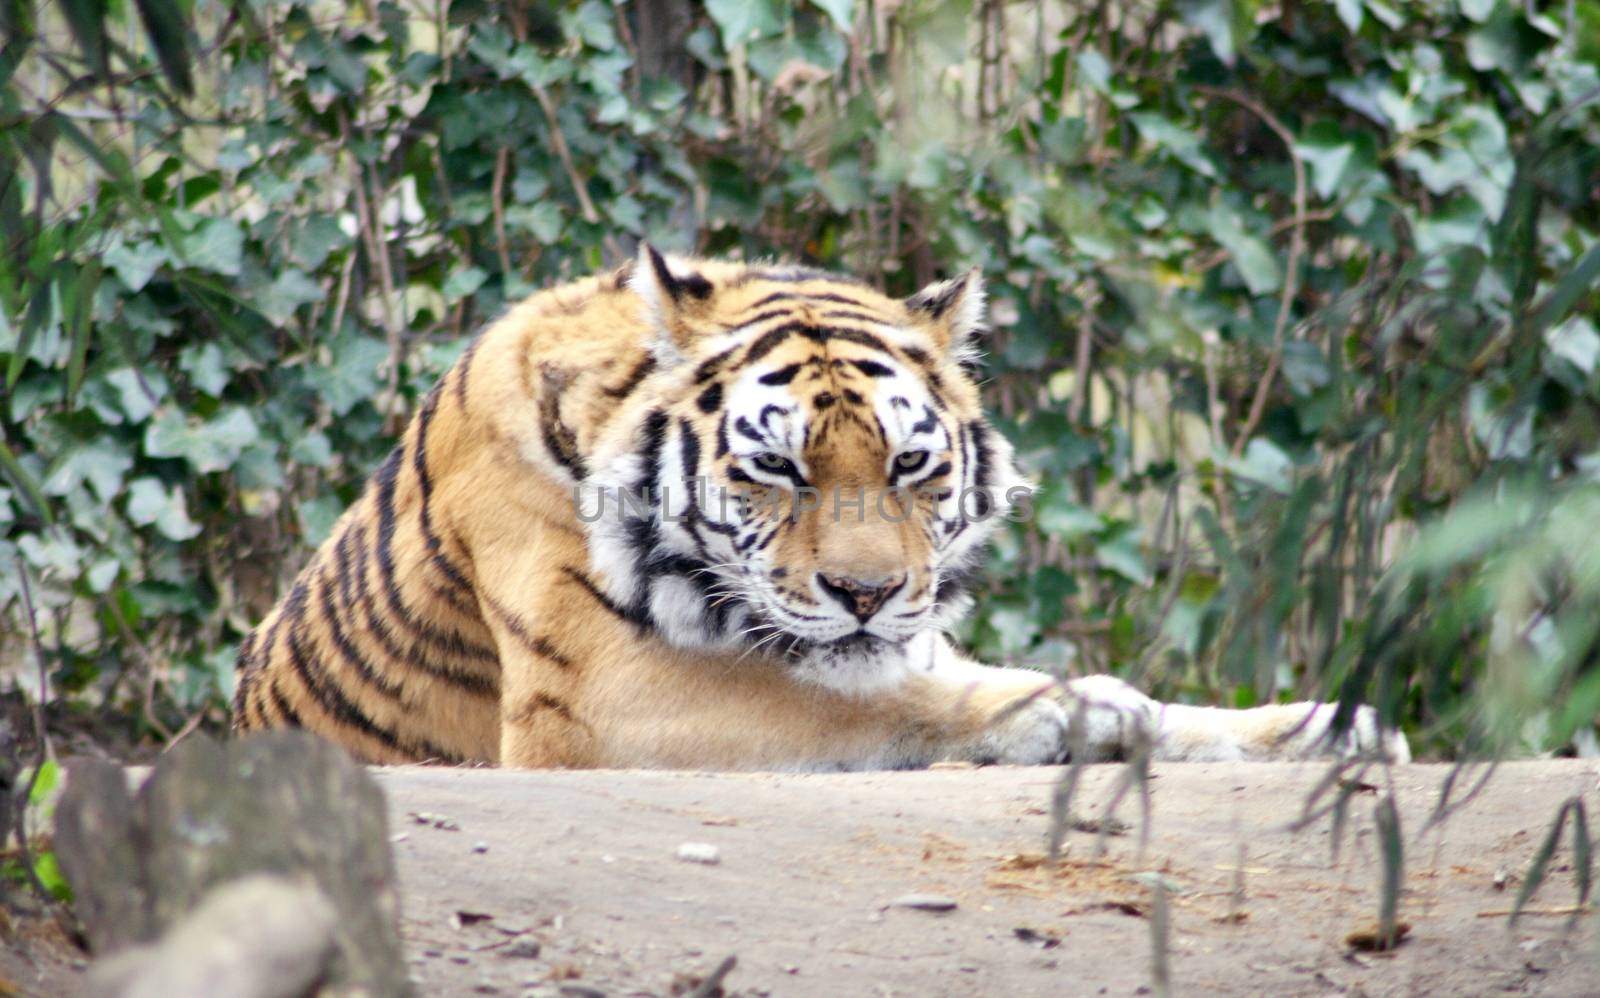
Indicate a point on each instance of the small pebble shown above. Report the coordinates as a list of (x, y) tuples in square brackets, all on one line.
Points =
[(700, 852), (522, 949), (924, 902), (480, 847)]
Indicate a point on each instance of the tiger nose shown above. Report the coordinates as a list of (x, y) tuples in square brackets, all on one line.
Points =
[(862, 597)]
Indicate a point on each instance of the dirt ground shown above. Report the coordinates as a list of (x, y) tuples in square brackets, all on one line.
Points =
[(571, 884)]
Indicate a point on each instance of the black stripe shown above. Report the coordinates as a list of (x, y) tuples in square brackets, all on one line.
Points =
[(938, 303), (281, 705), (346, 648), (854, 316), (593, 590), (927, 424), (248, 714), (533, 642), (769, 341), (642, 529), (342, 556), (419, 464), (640, 371), (722, 435), (772, 338), (767, 316), (859, 336), (982, 470), (873, 369), (710, 399), (463, 366), (744, 428), (333, 702), (452, 645), (451, 642), (708, 368), (690, 445), (245, 671), (544, 702), (782, 376), (559, 438)]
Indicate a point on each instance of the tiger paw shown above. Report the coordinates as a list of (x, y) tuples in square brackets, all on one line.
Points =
[(1109, 719), (1366, 738), (1032, 732)]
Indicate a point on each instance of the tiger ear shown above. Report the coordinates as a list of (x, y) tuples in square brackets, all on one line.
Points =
[(670, 299), (954, 311)]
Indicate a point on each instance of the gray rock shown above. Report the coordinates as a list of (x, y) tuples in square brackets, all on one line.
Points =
[(284, 802), (255, 937)]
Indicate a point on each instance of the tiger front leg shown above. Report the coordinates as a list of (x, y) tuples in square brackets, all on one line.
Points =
[(1276, 732), (1113, 720)]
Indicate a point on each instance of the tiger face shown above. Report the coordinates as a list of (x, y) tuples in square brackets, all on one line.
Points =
[(817, 476)]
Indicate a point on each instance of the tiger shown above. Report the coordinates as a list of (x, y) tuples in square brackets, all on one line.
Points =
[(703, 514)]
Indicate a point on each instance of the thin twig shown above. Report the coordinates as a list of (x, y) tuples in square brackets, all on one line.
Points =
[(1571, 909), (148, 661), (713, 981), (1297, 245), (497, 203), (564, 153)]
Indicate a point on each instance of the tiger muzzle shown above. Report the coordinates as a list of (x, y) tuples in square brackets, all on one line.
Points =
[(862, 597)]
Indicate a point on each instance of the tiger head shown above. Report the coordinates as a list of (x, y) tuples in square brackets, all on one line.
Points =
[(811, 473)]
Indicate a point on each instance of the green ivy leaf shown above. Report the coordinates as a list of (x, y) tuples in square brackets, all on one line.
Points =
[(151, 503), (100, 463), (204, 365), (1250, 254), (312, 449), (212, 445), (1120, 553), (317, 517), (315, 239), (137, 396), (288, 291), (462, 281), (134, 264), (843, 13), (747, 20), (1350, 13), (216, 245), (1182, 144), (1215, 20), (352, 375), (1060, 517)]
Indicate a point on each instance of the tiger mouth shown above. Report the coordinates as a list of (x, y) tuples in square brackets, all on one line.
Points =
[(788, 645)]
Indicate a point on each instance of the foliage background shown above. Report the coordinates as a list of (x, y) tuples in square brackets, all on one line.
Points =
[(1294, 304)]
